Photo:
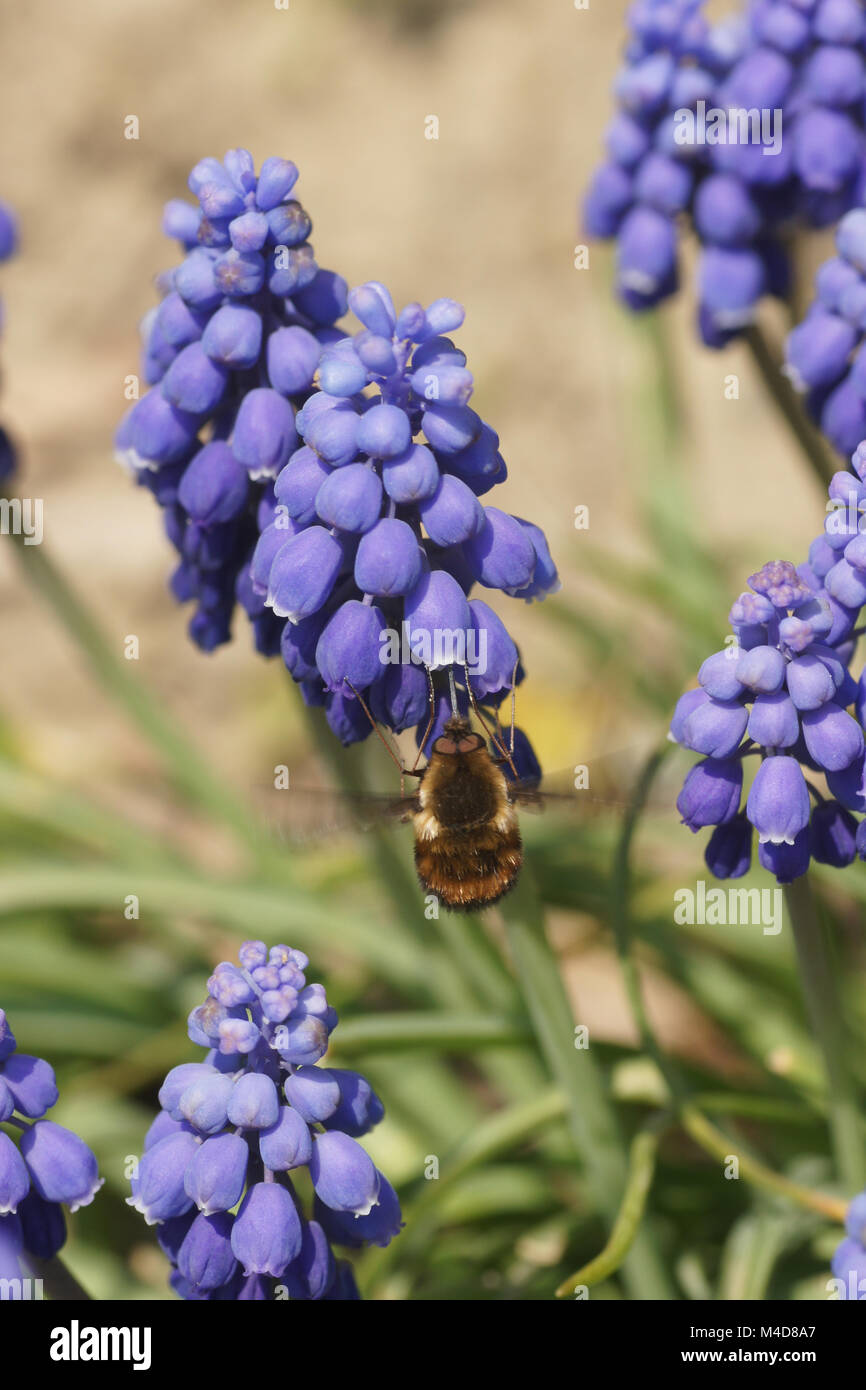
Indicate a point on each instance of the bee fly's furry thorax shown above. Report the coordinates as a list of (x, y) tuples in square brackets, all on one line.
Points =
[(468, 849)]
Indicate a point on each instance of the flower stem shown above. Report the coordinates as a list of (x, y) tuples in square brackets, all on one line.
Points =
[(592, 1120), (713, 1141), (58, 1282), (769, 364), (642, 1165), (822, 1003)]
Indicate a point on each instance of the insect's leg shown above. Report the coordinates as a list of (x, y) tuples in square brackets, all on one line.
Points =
[(513, 708), (506, 755), (392, 754), (413, 770)]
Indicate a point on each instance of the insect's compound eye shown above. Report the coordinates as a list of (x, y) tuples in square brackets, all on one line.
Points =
[(470, 744), (445, 745)]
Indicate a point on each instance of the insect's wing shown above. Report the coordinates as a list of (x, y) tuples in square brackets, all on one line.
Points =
[(603, 782), (306, 813)]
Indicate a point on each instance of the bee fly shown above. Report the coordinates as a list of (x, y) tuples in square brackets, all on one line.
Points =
[(468, 849)]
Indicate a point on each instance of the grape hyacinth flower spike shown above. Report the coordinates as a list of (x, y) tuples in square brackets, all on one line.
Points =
[(48, 1168), (229, 355), (750, 127), (782, 689), (380, 536), (216, 1173)]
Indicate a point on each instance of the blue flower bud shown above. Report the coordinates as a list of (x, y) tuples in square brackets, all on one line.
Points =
[(689, 701), (499, 652), (162, 1127), (718, 675), (303, 573), (716, 727), (773, 721), (14, 1177), (314, 1092), (809, 681), (762, 669), (817, 350), (500, 554), (205, 1258), (32, 1084), (304, 1039), (787, 861), (266, 1235), (343, 1173), (292, 356), (264, 433), (341, 372), (832, 737), (451, 428), (348, 650), (333, 433), (646, 256), (608, 199), (372, 304), (204, 1103), (214, 486), (324, 299), (389, 561), (401, 700), (711, 793), (778, 803), (378, 1226), (254, 1102), (311, 1273), (177, 1081), (7, 1037), (216, 1173), (195, 281), (194, 382), (832, 835), (158, 431), (277, 178), (43, 1226), (384, 432), (729, 848), (286, 1144), (349, 498), (437, 603), (233, 336), (452, 514), (62, 1167), (158, 1190), (240, 273), (298, 484), (827, 149), (411, 476), (359, 1108)]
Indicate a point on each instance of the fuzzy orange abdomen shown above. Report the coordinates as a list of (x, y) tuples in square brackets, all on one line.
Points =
[(469, 869)]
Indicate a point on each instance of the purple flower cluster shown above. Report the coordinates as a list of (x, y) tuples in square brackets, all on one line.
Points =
[(378, 535), (230, 354), (783, 690), (215, 1174), (50, 1167), (826, 353), (849, 1258), (8, 247), (749, 127), (328, 484)]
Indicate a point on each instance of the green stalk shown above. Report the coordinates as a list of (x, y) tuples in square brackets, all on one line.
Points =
[(713, 1141), (814, 953), (59, 1282), (592, 1120), (809, 441), (187, 769), (642, 1166)]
